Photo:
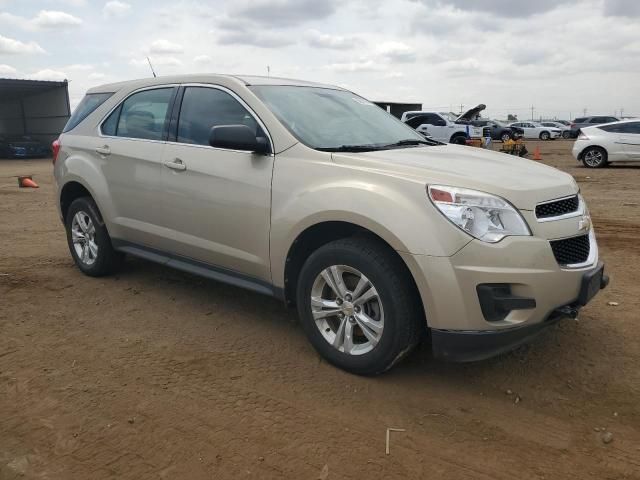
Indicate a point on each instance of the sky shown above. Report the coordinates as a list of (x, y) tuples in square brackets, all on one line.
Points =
[(558, 56)]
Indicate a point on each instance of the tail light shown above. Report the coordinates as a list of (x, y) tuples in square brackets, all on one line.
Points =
[(572, 125), (582, 136), (55, 149)]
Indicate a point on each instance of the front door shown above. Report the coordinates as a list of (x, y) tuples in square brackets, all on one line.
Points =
[(630, 139), (217, 202)]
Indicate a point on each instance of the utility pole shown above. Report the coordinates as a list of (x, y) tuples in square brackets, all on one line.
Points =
[(532, 109), (584, 112), (461, 107), (621, 111)]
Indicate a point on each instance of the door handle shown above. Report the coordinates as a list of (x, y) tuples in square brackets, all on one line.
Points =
[(176, 164), (104, 150)]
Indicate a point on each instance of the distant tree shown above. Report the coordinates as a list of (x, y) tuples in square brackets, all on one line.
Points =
[(512, 118)]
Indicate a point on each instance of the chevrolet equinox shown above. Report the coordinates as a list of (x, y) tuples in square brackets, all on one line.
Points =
[(314, 195)]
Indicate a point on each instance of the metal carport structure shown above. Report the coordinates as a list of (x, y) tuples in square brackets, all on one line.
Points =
[(36, 108)]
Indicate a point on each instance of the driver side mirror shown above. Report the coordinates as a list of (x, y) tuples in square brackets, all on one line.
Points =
[(238, 137)]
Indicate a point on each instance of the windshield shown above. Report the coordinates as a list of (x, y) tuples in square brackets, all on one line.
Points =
[(449, 116), (500, 124), (328, 119)]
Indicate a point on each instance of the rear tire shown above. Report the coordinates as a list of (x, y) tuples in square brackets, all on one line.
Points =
[(458, 140), (506, 136), (340, 334), (88, 239), (594, 157), (545, 136), (566, 134)]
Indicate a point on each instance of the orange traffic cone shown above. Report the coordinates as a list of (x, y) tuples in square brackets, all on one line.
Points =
[(536, 154), (27, 182)]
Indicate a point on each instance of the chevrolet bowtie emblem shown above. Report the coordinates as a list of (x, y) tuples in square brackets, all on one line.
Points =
[(584, 224)]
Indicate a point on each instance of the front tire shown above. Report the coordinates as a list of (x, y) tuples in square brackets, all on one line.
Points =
[(506, 136), (545, 136), (594, 157), (358, 305), (566, 134), (88, 239)]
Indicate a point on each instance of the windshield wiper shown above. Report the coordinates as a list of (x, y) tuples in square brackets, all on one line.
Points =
[(412, 141), (351, 148)]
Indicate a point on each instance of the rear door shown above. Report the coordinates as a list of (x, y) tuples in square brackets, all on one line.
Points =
[(132, 143), (217, 202)]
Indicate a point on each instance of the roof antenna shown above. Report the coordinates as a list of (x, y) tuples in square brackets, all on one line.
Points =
[(151, 67)]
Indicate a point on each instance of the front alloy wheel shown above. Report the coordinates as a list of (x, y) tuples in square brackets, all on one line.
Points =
[(358, 305), (347, 310)]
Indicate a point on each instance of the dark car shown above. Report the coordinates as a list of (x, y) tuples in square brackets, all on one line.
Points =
[(499, 131), (22, 146), (581, 122)]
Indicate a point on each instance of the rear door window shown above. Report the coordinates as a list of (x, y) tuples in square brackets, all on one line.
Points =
[(143, 115), (204, 108), (87, 105), (580, 120)]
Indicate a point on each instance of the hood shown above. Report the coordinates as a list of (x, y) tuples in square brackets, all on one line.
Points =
[(522, 182), (470, 115)]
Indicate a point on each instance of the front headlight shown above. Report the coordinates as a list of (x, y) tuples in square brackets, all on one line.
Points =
[(484, 216)]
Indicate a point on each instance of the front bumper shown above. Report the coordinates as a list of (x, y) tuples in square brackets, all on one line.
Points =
[(449, 289), (469, 346)]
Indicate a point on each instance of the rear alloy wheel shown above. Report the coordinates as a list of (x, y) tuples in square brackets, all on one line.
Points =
[(506, 136), (594, 157), (88, 239), (358, 305), (566, 134), (459, 140), (545, 136)]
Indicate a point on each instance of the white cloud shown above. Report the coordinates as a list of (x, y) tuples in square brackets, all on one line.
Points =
[(96, 76), (48, 74), (7, 70), (324, 40), (202, 59), (361, 65), (115, 8), (72, 3), (162, 47), (54, 19), (156, 61), (396, 52), (11, 46)]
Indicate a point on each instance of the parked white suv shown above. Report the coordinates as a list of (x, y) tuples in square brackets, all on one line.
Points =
[(312, 194)]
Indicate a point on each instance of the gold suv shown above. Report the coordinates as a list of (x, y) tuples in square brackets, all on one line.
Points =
[(312, 194)]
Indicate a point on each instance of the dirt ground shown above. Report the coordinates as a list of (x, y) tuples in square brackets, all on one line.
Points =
[(158, 374)]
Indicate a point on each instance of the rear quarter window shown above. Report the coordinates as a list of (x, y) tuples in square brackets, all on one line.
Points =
[(580, 120), (87, 105)]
